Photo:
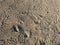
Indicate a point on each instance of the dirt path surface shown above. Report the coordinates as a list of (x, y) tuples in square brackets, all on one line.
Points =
[(29, 22)]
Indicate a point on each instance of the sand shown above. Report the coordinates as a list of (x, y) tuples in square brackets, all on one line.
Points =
[(29, 22)]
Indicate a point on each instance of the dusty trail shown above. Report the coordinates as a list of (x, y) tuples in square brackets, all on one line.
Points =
[(29, 22)]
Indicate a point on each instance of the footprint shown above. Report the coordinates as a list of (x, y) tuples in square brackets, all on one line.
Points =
[(42, 43), (59, 44), (17, 28)]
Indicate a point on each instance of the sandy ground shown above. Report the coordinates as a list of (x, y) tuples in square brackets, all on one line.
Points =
[(29, 22)]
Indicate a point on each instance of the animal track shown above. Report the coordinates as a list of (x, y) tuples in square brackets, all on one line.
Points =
[(42, 43), (59, 44), (22, 35), (17, 28)]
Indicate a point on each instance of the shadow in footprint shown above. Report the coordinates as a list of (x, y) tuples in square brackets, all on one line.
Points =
[(42, 43), (59, 44)]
